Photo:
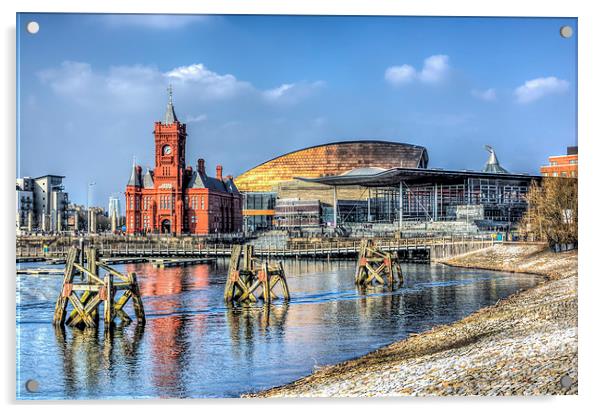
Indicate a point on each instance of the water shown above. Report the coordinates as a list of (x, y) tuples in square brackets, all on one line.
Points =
[(194, 346)]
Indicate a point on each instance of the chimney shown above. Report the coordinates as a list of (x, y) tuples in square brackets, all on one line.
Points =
[(218, 172), (201, 166)]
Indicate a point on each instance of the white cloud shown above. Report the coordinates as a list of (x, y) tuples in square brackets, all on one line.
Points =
[(399, 75), (292, 92), (434, 70), (120, 85), (278, 92), (535, 89), (488, 95), (69, 77), (152, 21), (124, 86), (213, 85)]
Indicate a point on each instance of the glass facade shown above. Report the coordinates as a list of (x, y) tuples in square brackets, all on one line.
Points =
[(259, 200), (295, 213), (258, 210)]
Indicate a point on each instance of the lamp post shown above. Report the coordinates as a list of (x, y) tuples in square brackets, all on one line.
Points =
[(90, 185)]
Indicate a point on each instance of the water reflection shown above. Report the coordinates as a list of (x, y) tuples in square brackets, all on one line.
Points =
[(85, 357), (193, 345), (173, 336)]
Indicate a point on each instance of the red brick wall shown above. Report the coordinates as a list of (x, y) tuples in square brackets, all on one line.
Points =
[(561, 166), (196, 211)]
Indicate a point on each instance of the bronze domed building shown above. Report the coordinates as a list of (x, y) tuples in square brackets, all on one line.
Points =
[(331, 159), (274, 181)]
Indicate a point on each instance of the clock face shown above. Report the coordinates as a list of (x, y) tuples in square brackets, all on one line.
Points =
[(167, 150)]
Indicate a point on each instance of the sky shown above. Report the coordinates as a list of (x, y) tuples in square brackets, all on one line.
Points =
[(250, 88)]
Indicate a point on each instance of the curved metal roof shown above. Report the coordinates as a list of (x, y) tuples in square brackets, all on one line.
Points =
[(331, 159), (342, 143), (392, 177)]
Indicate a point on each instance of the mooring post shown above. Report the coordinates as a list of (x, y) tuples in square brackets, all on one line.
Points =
[(61, 303), (137, 299), (108, 306), (285, 291), (265, 281)]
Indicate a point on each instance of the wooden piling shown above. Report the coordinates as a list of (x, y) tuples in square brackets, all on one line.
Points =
[(95, 289), (374, 266), (243, 282)]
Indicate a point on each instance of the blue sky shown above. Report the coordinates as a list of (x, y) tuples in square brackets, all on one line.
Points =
[(253, 87)]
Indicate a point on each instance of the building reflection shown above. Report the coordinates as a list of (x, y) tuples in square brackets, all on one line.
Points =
[(171, 335)]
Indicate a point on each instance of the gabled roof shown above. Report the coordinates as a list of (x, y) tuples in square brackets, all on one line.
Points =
[(198, 180), (230, 185)]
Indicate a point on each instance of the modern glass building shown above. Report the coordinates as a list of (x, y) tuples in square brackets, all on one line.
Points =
[(331, 159), (258, 210), (411, 194), (261, 185)]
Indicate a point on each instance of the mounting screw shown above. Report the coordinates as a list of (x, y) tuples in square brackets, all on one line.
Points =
[(32, 386), (566, 31)]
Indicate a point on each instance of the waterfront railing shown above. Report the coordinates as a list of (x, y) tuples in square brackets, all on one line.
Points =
[(330, 248)]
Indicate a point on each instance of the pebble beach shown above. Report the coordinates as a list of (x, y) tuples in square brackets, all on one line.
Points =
[(525, 344)]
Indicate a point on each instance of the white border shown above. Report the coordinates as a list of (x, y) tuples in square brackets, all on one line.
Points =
[(590, 70)]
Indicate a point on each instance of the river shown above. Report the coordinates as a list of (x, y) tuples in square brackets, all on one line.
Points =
[(193, 345)]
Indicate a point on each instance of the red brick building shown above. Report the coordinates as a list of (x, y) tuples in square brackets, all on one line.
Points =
[(565, 166), (175, 199)]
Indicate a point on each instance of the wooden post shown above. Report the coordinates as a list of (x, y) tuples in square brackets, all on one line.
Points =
[(137, 299), (62, 301), (264, 277), (108, 306), (374, 265), (244, 280), (286, 293), (94, 290)]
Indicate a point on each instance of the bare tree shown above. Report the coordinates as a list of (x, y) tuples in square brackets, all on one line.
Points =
[(553, 211)]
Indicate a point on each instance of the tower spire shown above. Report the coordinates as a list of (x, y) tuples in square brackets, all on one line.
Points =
[(170, 113), (493, 165)]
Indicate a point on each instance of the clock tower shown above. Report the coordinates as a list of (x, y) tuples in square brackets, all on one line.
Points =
[(170, 147), (170, 165)]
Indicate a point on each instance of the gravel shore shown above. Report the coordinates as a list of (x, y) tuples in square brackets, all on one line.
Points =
[(523, 345)]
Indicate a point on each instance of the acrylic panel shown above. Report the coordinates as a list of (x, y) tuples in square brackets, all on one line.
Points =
[(224, 206)]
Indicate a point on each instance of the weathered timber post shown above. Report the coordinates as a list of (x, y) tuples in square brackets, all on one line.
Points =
[(137, 299), (95, 289), (61, 303), (242, 282), (374, 265), (264, 276), (108, 309)]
